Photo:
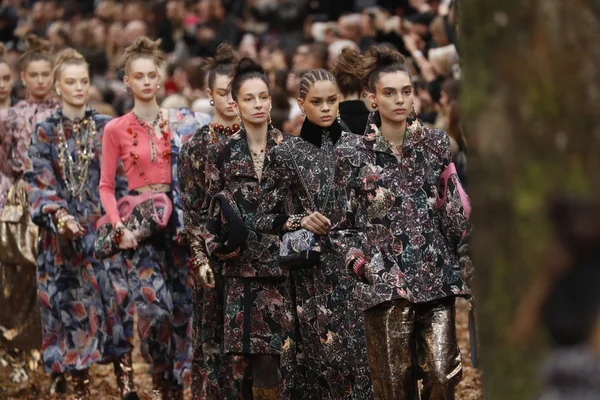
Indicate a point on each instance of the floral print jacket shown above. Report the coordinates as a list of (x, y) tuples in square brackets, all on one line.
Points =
[(410, 212), (16, 127), (230, 167)]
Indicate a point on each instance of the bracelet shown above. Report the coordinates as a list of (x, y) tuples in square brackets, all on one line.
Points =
[(119, 235), (294, 221)]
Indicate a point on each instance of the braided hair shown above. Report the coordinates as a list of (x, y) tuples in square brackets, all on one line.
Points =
[(311, 77)]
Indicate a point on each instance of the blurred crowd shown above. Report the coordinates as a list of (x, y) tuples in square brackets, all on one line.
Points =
[(288, 37)]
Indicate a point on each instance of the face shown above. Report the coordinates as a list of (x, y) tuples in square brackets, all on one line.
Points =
[(394, 96), (143, 79), (254, 102), (74, 85), (321, 103), (221, 95), (38, 78), (6, 82)]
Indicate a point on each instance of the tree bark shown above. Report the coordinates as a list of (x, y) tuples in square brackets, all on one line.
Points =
[(531, 96)]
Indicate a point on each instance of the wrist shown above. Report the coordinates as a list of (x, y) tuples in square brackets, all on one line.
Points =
[(294, 222)]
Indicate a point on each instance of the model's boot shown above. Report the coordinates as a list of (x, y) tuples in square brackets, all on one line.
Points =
[(124, 373), (161, 387), (59, 384), (81, 384)]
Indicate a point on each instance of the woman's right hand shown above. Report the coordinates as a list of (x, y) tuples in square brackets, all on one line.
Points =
[(128, 240), (316, 223)]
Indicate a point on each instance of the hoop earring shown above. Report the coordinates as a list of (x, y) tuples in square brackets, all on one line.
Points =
[(339, 117), (212, 103)]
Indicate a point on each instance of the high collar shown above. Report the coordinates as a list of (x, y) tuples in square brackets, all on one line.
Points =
[(415, 132), (89, 113), (313, 133)]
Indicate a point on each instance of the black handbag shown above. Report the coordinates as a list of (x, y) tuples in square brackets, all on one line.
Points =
[(301, 248)]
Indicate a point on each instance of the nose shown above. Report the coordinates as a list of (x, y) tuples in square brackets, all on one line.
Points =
[(146, 80), (78, 86)]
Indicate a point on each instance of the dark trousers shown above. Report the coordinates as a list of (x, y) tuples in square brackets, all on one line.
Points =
[(407, 342)]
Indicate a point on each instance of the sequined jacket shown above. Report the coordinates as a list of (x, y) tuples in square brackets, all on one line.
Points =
[(410, 227), (230, 166), (16, 127)]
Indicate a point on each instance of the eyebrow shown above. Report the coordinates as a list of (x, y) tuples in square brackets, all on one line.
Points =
[(253, 94), (391, 88), (319, 98)]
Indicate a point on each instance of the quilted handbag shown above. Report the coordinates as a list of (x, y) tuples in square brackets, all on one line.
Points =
[(143, 214), (18, 234)]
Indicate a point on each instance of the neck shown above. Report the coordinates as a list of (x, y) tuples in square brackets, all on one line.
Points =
[(5, 103), (393, 131), (37, 98), (256, 135), (353, 96), (146, 110), (73, 112), (222, 120)]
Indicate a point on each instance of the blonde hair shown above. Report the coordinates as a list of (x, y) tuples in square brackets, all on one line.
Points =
[(143, 47), (37, 50), (68, 57)]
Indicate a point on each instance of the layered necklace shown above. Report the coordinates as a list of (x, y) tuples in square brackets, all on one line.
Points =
[(217, 131), (75, 173), (258, 159), (151, 130)]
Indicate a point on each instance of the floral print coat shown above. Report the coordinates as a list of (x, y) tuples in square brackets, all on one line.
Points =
[(410, 219), (214, 376), (83, 319)]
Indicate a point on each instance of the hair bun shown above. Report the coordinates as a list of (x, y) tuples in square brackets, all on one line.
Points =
[(37, 44), (384, 57), (144, 45), (247, 66), (225, 55), (67, 55)]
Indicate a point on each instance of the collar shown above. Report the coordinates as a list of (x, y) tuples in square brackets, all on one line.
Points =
[(313, 133), (353, 107), (89, 113), (274, 136), (415, 132)]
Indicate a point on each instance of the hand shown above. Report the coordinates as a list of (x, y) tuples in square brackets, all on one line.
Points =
[(229, 256), (73, 230), (205, 276), (316, 223), (128, 240)]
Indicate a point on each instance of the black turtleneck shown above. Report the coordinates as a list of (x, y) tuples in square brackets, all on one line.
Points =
[(313, 133)]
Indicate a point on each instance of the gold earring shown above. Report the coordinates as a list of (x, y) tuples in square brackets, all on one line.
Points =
[(374, 106), (339, 117)]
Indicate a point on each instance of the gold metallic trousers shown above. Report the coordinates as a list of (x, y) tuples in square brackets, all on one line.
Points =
[(407, 342)]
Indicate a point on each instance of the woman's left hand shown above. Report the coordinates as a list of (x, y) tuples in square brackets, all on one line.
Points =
[(73, 230), (229, 256)]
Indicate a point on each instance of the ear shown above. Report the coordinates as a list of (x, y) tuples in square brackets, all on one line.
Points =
[(22, 76), (301, 104), (372, 97), (209, 93), (126, 80)]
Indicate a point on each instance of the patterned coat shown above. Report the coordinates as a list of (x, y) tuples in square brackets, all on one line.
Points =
[(254, 288), (83, 319), (411, 224), (213, 375), (326, 359)]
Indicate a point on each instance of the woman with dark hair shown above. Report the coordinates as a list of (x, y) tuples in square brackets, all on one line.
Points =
[(147, 141), (254, 287), (19, 313), (405, 200), (324, 355), (213, 375), (347, 72), (83, 320)]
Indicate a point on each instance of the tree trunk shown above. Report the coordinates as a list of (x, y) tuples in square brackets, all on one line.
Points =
[(531, 96)]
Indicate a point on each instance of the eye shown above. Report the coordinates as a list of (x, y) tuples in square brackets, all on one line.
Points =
[(46, 74), (315, 102), (407, 92), (332, 101), (387, 93)]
